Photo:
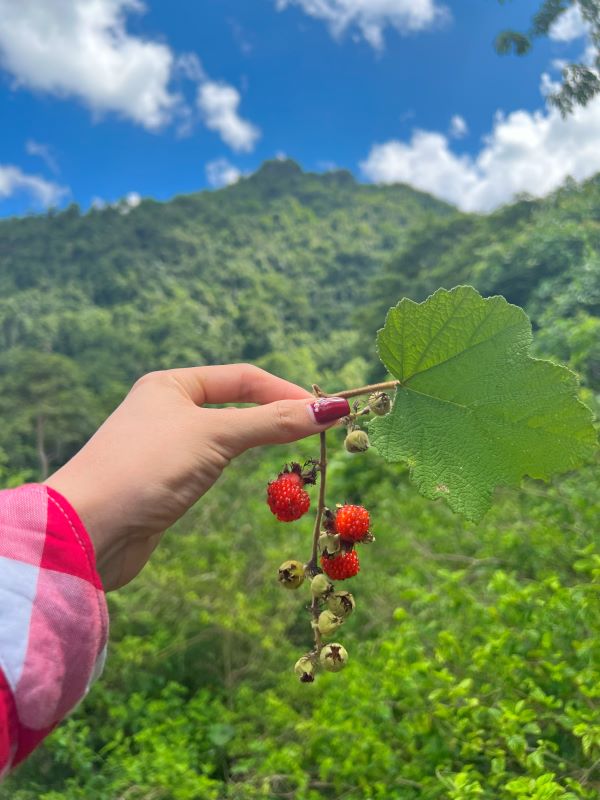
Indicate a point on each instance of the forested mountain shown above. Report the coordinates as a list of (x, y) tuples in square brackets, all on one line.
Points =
[(474, 649), (275, 264), (285, 268)]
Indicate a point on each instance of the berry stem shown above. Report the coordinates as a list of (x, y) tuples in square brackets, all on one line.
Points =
[(313, 564), (372, 387)]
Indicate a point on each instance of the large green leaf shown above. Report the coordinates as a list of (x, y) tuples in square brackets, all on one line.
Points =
[(473, 410)]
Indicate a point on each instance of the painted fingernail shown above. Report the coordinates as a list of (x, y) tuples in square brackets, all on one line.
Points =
[(328, 409)]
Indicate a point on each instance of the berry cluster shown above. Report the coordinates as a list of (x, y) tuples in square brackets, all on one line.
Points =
[(336, 535)]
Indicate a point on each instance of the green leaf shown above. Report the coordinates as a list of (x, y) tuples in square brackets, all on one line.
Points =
[(473, 410), (512, 42), (220, 734)]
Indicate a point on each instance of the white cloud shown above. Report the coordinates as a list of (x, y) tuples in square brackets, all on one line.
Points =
[(124, 205), (372, 17), (458, 127), (44, 152), (525, 152), (218, 103), (221, 172), (43, 193), (590, 53), (81, 48), (190, 66), (569, 26), (548, 85), (133, 199)]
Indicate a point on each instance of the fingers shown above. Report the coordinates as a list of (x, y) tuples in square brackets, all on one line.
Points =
[(275, 423), (235, 383)]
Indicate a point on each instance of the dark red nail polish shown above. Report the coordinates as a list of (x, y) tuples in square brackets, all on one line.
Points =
[(328, 409)]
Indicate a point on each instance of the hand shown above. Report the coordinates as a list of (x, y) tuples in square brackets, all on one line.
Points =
[(161, 450)]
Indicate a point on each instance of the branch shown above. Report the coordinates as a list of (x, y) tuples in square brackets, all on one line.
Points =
[(312, 564), (372, 387)]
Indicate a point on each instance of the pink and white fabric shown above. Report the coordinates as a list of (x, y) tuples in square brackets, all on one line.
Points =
[(53, 617)]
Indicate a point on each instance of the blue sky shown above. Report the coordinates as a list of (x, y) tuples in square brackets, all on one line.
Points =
[(109, 99)]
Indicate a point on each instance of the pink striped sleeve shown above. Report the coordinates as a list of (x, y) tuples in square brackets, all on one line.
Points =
[(53, 617)]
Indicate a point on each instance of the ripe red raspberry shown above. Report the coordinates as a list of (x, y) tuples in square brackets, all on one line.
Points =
[(341, 566), (286, 497), (352, 523)]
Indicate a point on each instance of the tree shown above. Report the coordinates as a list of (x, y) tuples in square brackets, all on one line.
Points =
[(46, 410), (580, 79)]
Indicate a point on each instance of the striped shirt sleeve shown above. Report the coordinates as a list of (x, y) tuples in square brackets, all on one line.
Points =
[(53, 617)]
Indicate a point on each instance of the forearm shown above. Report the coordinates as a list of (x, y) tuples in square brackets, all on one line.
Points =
[(54, 621)]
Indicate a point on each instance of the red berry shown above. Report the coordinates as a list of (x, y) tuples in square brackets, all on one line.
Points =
[(341, 566), (287, 498), (352, 523)]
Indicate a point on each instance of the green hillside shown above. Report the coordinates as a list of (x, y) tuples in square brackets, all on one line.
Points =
[(474, 650), (543, 255), (276, 263)]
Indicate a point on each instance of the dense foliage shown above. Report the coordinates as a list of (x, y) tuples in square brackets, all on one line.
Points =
[(474, 650), (268, 270), (580, 78)]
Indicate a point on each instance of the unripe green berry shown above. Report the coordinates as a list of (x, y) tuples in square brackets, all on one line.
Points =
[(328, 622), (356, 442), (379, 403), (341, 604), (291, 574), (333, 657), (305, 669), (320, 586)]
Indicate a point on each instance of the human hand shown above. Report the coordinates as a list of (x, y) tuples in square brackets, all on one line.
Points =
[(161, 450)]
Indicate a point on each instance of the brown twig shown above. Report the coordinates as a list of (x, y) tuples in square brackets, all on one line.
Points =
[(313, 567), (372, 387), (312, 564)]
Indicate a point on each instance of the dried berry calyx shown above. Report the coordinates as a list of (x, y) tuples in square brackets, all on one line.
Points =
[(320, 587), (352, 523), (341, 566), (328, 622), (333, 657), (305, 669), (341, 604), (328, 520), (329, 543), (380, 403), (291, 574), (286, 495), (356, 441)]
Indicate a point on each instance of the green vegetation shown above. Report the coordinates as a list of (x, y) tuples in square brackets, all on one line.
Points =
[(268, 270), (474, 648), (580, 79)]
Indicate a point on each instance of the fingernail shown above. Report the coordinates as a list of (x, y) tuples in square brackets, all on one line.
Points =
[(328, 409)]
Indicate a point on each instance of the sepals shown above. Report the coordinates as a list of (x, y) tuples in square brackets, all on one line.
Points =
[(333, 657), (291, 574), (341, 603)]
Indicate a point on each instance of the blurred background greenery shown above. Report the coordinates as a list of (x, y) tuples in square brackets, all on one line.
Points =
[(474, 651)]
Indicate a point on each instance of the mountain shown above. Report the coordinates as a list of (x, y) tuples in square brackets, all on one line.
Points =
[(291, 270), (274, 265), (541, 254)]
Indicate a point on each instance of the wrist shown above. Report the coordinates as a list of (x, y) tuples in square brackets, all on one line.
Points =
[(92, 516)]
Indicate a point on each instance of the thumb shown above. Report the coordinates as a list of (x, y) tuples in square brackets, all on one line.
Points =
[(280, 422)]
